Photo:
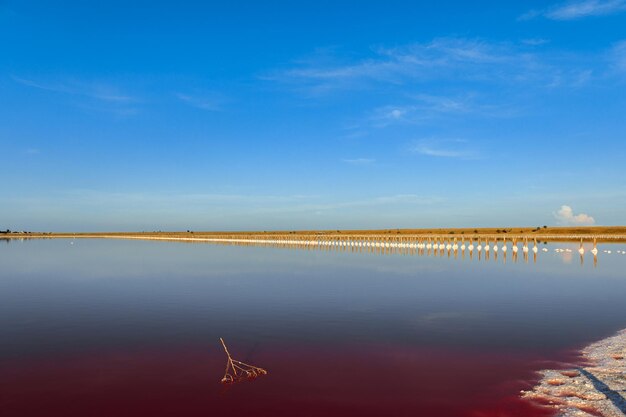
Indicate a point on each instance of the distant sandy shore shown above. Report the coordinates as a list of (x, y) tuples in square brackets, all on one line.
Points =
[(544, 234)]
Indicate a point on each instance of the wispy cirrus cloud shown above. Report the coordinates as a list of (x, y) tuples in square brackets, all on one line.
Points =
[(578, 9), (203, 202), (445, 148), (420, 110), (392, 114), (57, 88), (618, 56), (398, 64), (369, 203), (535, 41), (359, 161), (203, 102), (447, 104), (100, 198), (426, 107), (444, 59), (91, 95), (95, 90)]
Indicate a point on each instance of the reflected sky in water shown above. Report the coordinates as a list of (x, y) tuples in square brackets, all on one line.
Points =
[(62, 298)]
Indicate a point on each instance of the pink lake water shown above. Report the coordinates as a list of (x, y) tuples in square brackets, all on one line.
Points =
[(128, 328)]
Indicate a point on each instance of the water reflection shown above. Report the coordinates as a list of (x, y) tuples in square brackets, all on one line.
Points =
[(481, 249), (132, 326)]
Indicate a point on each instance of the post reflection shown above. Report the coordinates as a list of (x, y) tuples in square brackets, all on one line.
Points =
[(444, 247), (496, 249)]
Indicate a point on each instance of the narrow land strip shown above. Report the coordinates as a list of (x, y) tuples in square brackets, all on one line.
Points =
[(614, 234)]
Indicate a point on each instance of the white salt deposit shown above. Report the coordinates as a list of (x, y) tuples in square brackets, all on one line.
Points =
[(588, 391)]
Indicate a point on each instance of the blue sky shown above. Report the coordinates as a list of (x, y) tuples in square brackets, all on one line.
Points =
[(300, 115)]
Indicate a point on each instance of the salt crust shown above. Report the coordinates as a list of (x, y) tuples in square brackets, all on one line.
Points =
[(587, 391)]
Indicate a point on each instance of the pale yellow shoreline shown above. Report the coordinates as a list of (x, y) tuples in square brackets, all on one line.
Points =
[(615, 234)]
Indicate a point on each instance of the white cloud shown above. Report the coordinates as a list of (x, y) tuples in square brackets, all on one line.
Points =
[(95, 90), (57, 88), (578, 9), (444, 104), (566, 217), (445, 153), (88, 95), (535, 41), (449, 148), (108, 93), (424, 108), (203, 103), (474, 62), (619, 55), (441, 58), (405, 198), (359, 161), (386, 115), (396, 113)]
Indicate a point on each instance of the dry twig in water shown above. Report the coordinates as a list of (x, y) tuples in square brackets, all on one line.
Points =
[(237, 371)]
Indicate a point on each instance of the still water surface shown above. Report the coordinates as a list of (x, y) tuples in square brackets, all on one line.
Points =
[(126, 328)]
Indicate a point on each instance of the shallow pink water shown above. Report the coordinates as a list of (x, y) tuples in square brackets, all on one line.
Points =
[(371, 381), (107, 328)]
